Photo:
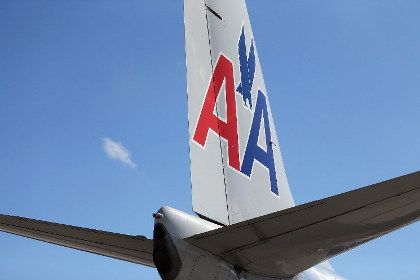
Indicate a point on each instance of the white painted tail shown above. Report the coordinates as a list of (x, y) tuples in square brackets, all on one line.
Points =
[(237, 171)]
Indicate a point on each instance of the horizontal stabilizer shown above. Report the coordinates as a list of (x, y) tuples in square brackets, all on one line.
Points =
[(136, 249), (287, 242)]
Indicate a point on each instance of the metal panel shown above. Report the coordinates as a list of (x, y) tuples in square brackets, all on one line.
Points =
[(136, 249), (247, 196), (230, 182), (285, 243), (208, 187)]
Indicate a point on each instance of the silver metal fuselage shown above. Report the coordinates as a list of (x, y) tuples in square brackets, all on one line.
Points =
[(198, 264)]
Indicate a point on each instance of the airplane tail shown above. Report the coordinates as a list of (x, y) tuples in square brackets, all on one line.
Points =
[(237, 171)]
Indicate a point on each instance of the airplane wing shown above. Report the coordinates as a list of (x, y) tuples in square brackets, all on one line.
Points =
[(136, 249), (287, 242)]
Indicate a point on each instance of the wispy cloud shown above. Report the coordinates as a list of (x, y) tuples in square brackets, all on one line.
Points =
[(116, 150)]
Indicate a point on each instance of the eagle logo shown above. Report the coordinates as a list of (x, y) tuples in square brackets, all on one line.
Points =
[(247, 68)]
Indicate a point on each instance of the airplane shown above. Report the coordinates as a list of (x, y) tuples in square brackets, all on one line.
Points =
[(247, 225)]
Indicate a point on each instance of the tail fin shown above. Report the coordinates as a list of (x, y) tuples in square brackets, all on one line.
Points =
[(237, 171)]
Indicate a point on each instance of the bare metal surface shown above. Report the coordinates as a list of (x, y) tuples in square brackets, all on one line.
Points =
[(136, 249), (287, 242)]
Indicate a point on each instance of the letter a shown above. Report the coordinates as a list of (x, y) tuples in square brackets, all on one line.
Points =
[(253, 151), (207, 120)]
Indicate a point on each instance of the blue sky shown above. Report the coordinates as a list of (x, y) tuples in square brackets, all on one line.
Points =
[(343, 80)]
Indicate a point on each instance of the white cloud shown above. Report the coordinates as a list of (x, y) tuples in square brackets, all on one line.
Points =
[(116, 151)]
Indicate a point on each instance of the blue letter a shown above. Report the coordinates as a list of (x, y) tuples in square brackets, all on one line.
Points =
[(253, 151)]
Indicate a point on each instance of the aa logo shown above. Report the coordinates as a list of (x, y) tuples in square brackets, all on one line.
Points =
[(224, 75)]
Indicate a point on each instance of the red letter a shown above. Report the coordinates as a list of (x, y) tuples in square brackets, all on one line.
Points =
[(228, 130)]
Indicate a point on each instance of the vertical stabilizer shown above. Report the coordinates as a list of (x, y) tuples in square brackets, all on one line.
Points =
[(236, 166)]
